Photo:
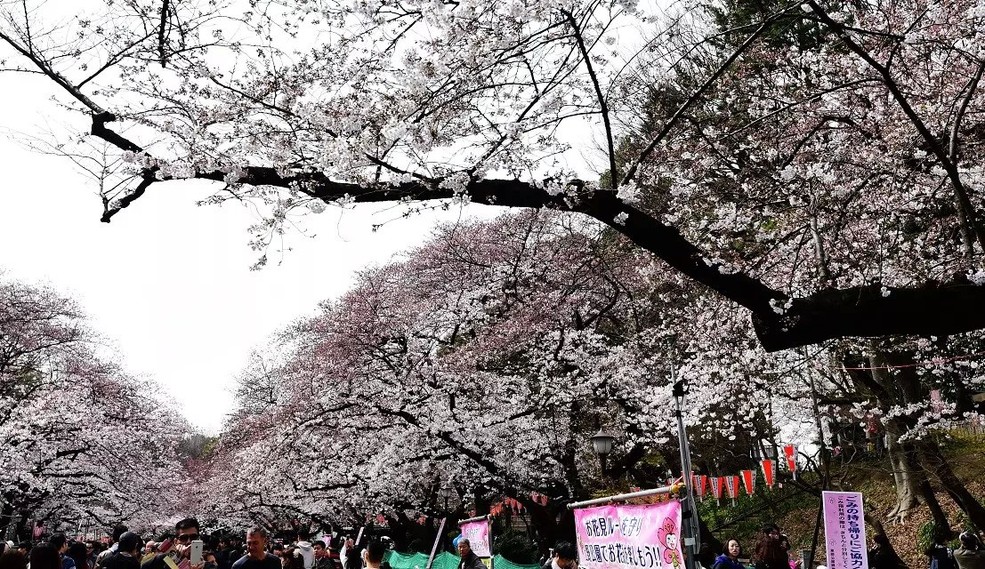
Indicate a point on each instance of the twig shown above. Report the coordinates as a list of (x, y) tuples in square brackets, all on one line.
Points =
[(603, 107), (631, 172)]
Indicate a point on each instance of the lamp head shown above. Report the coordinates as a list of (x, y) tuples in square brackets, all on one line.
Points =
[(602, 442)]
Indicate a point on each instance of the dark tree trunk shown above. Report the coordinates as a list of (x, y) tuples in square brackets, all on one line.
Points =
[(6, 518), (930, 499), (955, 488), (890, 390), (908, 477)]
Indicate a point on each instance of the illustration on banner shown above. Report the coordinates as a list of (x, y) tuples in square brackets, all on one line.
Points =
[(630, 537)]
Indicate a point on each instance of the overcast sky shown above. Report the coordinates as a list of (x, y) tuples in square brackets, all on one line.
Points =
[(167, 282)]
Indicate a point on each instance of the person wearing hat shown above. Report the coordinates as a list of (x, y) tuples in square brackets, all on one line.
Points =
[(970, 555), (127, 553)]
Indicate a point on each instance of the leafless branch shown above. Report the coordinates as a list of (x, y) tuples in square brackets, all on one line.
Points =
[(631, 172), (603, 106)]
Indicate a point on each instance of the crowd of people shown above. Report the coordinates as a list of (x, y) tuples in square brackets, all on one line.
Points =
[(188, 548), (772, 551)]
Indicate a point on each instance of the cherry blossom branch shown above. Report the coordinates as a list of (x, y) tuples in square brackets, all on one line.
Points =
[(952, 150), (966, 210), (111, 61), (51, 73), (932, 308)]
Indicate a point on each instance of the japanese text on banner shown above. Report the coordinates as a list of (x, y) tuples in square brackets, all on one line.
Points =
[(478, 535), (844, 530), (630, 537)]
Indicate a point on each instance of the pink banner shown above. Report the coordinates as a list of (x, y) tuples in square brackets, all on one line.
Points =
[(844, 530), (478, 535), (630, 537)]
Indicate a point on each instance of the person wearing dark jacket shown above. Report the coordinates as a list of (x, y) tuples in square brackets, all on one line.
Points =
[(126, 553), (729, 559), (770, 553), (564, 557), (469, 559), (882, 555), (939, 554), (353, 556), (970, 555)]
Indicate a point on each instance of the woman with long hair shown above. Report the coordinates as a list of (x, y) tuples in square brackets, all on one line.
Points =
[(12, 559), (77, 551), (769, 553), (729, 559)]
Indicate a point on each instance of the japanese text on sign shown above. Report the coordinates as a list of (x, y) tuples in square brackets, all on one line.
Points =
[(844, 530), (630, 537), (478, 535)]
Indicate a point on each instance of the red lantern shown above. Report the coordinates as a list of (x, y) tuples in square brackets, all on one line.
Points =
[(699, 482), (733, 486), (716, 487)]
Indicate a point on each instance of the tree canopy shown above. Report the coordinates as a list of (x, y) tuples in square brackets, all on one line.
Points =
[(826, 180)]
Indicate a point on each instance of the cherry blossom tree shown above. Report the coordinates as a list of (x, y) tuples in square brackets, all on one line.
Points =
[(80, 441), (830, 191), (485, 360)]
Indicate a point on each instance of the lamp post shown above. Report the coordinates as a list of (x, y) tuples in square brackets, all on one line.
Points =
[(602, 443), (691, 538), (445, 492)]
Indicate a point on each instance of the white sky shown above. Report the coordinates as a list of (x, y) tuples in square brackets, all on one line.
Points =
[(168, 282)]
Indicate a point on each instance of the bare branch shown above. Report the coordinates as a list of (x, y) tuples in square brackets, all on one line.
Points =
[(631, 172), (603, 106)]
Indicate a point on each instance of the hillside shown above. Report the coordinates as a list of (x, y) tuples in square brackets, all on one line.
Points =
[(796, 511)]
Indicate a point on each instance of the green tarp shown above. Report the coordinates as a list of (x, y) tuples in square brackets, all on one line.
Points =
[(501, 562), (443, 560)]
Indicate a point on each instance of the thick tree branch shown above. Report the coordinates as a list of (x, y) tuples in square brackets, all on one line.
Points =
[(936, 308), (161, 52)]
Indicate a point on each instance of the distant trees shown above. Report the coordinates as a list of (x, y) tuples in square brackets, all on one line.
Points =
[(485, 360), (80, 441)]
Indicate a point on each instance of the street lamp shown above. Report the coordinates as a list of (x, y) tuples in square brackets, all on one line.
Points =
[(445, 492), (602, 443), (690, 510)]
